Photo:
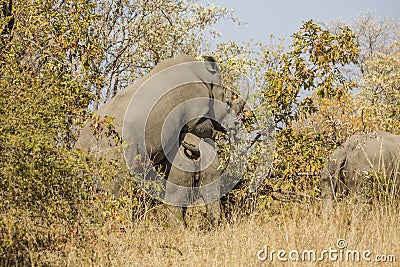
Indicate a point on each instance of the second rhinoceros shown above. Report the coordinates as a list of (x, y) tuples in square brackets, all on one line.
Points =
[(359, 164)]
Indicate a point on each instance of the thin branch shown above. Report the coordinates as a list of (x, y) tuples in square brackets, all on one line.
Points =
[(43, 50)]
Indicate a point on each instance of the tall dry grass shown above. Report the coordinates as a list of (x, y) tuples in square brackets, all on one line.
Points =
[(286, 226)]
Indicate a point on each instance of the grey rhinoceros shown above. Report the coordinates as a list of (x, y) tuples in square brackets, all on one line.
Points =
[(179, 93), (201, 183), (179, 96), (358, 163)]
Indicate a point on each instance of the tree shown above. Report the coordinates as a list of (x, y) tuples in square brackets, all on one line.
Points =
[(136, 35), (7, 18), (44, 70), (375, 35), (295, 83), (56, 57), (379, 100)]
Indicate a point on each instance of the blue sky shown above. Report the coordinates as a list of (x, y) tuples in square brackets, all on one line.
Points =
[(281, 18)]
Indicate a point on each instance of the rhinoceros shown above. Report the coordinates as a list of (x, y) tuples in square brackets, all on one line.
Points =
[(180, 92), (200, 184), (179, 96), (360, 163)]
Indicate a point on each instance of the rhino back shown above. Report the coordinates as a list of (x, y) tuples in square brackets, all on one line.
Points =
[(131, 106)]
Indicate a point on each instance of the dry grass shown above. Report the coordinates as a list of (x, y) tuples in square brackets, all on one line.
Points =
[(288, 227)]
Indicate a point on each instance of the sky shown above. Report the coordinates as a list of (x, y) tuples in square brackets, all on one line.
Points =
[(282, 18)]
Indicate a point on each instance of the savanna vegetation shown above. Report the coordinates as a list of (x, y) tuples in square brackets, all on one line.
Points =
[(61, 60)]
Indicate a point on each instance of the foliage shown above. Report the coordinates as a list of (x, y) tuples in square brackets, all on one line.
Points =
[(136, 35), (53, 56), (294, 84), (379, 100), (43, 70), (375, 35), (313, 64), (374, 102), (61, 59)]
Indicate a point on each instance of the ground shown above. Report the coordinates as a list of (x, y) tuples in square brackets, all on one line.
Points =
[(255, 240)]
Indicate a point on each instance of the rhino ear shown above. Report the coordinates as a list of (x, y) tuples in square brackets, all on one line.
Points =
[(211, 64)]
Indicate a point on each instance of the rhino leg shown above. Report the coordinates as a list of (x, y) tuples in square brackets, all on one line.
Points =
[(176, 217), (177, 195), (210, 182), (182, 185), (214, 213)]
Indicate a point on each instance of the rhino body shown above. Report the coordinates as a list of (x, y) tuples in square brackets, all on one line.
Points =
[(359, 164), (179, 96)]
